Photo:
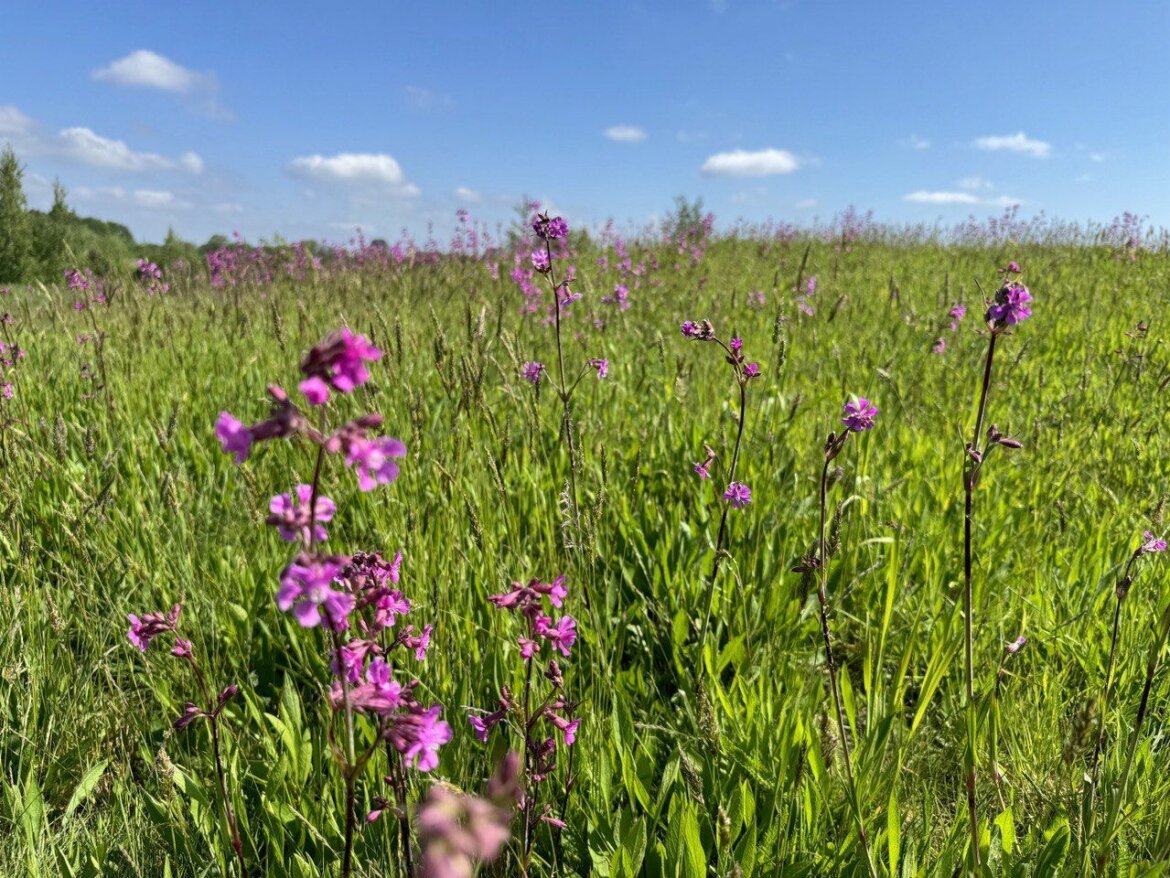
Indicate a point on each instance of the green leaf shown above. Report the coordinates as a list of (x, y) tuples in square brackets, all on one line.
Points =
[(893, 831), (85, 786)]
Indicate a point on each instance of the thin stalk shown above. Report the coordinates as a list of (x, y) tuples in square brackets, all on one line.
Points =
[(970, 478), (1107, 691), (1151, 669), (233, 829), (722, 534), (529, 802), (823, 599)]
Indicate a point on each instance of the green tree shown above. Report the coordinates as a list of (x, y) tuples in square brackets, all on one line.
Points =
[(15, 227), (50, 236)]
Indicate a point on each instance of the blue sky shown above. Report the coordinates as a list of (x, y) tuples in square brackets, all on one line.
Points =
[(308, 119)]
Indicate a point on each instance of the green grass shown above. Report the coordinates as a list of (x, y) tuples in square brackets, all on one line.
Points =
[(686, 768)]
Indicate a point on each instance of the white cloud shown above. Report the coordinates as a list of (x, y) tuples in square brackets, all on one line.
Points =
[(1006, 201), (82, 145), (918, 143), (356, 169), (742, 163), (13, 122), (924, 197), (152, 199), (806, 204), (1097, 156), (975, 183), (228, 207), (191, 162), (426, 99), (625, 134), (471, 196), (145, 69), (1018, 142)]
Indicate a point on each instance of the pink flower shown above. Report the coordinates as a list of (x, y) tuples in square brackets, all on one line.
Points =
[(379, 694), (1151, 544), (306, 588), (235, 438), (339, 362), (561, 635), (315, 389), (373, 461), (418, 737), (291, 517), (532, 372), (602, 367), (143, 631), (859, 414), (738, 495)]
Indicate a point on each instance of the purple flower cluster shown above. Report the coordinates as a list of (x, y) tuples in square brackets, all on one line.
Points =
[(540, 719), (738, 495), (531, 372), (293, 517), (337, 363), (550, 228), (1011, 305)]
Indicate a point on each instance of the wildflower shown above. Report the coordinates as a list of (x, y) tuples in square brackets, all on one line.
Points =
[(291, 516), (736, 345), (1010, 306), (457, 832), (1016, 645), (306, 588), (940, 346), (143, 631), (190, 713), (532, 372), (182, 648), (859, 414), (957, 313), (540, 261), (419, 736), (701, 331), (703, 470), (379, 694), (562, 635), (550, 228), (738, 495), (373, 461), (602, 367), (235, 438), (338, 362), (419, 643), (1151, 544), (751, 370), (6, 390)]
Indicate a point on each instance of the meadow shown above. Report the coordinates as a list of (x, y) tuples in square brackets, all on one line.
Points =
[(708, 741)]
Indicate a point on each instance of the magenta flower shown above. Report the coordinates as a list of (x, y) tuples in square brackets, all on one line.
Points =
[(602, 367), (143, 631), (338, 362), (957, 313), (736, 345), (380, 693), (751, 370), (1151, 544), (1010, 306), (859, 414), (373, 461), (235, 438), (291, 517), (940, 346), (540, 260), (418, 737), (703, 469), (419, 643), (738, 495), (561, 635), (6, 390), (306, 588), (532, 372), (182, 648), (1016, 645), (550, 228)]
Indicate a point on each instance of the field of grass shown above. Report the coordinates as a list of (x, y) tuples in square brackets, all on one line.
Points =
[(719, 758)]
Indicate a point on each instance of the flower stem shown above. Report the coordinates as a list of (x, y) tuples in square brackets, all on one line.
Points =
[(823, 599), (229, 817), (722, 535), (972, 467)]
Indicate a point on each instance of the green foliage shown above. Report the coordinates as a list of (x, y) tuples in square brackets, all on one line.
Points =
[(16, 241), (724, 764)]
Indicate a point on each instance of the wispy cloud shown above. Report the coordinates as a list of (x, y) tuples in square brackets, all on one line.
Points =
[(426, 99), (469, 196), (82, 145), (806, 204), (918, 143), (974, 184), (14, 123), (354, 169), (922, 196), (745, 163), (625, 134), (1018, 142), (145, 69)]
